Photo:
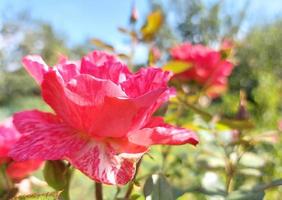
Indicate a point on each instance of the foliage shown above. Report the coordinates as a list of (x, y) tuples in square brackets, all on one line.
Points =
[(27, 36)]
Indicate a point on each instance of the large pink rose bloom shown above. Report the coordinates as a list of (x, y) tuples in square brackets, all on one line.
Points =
[(103, 116), (207, 67), (8, 137)]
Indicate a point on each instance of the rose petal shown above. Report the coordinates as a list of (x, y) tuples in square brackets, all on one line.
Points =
[(100, 108), (101, 162), (94, 89), (68, 70), (45, 137), (104, 66), (35, 66), (20, 170), (146, 80), (157, 132), (8, 136), (189, 52)]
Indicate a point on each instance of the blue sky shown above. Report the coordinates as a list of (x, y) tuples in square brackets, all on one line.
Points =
[(79, 19), (82, 19)]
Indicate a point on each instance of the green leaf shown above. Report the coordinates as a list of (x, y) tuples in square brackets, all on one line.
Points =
[(123, 56), (152, 25), (232, 123), (201, 190), (102, 45), (250, 172), (246, 195), (237, 124), (46, 196), (252, 160), (270, 137), (135, 196), (177, 66), (257, 193), (132, 34), (157, 188), (207, 161), (184, 196)]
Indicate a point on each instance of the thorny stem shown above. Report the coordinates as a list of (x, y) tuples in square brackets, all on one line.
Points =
[(229, 176), (231, 168), (98, 191), (131, 184)]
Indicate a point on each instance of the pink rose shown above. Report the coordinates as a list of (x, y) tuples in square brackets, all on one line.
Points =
[(208, 68), (8, 137), (103, 116)]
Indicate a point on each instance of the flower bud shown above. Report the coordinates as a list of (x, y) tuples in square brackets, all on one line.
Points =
[(55, 174), (243, 113), (134, 14), (154, 55)]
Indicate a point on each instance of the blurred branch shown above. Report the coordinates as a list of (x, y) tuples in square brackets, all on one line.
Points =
[(266, 186), (232, 123), (206, 192)]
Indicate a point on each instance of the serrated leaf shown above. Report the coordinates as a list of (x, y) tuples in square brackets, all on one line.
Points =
[(46, 196), (177, 66), (152, 25), (157, 188), (102, 45)]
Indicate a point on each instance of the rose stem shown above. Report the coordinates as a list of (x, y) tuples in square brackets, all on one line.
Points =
[(131, 184), (98, 191)]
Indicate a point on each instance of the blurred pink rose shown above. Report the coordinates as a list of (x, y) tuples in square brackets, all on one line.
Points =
[(208, 68), (8, 137)]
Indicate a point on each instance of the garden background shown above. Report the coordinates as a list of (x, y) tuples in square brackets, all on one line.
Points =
[(67, 27)]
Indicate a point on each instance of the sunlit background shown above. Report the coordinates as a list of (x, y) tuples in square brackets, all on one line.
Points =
[(76, 22), (68, 27)]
